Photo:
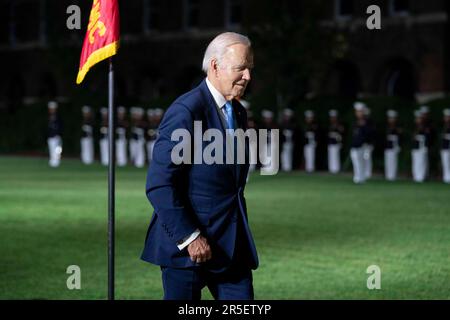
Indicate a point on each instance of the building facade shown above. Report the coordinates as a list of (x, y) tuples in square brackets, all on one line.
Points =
[(162, 43)]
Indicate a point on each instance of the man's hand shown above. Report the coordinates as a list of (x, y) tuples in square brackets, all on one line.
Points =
[(199, 250)]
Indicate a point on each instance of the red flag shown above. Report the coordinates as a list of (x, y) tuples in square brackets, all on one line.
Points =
[(102, 36)]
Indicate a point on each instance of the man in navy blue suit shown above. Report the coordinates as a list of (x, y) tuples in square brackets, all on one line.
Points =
[(199, 233)]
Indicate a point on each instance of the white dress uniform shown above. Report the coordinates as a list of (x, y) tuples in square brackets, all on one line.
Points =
[(368, 145), (121, 138), (154, 118), (334, 145), (309, 149), (445, 150), (287, 149), (419, 153), (359, 138), (253, 146), (132, 141), (54, 140), (391, 157), (137, 143), (392, 149), (104, 148), (268, 157), (87, 140)]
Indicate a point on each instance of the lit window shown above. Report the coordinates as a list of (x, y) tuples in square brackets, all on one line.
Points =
[(233, 13), (152, 15), (191, 14), (399, 7), (343, 9)]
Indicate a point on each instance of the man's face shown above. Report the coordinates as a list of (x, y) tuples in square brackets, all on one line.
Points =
[(333, 120), (359, 114), (447, 119), (392, 121), (233, 72)]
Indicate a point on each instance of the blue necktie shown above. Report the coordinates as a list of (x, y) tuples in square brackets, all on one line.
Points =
[(230, 118)]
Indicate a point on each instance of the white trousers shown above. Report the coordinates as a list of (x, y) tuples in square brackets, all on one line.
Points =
[(270, 159), (253, 154), (104, 149), (287, 153), (121, 152), (358, 162), (390, 164), (87, 150), (150, 145), (445, 158), (334, 158), (367, 161), (139, 155), (54, 150), (419, 164), (309, 151)]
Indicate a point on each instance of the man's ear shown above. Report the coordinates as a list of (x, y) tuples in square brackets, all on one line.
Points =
[(214, 66)]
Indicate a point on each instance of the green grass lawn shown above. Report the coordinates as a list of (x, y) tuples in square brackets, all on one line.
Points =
[(315, 234)]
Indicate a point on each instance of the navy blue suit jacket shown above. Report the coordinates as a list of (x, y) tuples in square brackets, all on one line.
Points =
[(187, 197)]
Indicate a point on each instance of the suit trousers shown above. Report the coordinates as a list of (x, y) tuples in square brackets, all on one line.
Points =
[(235, 283)]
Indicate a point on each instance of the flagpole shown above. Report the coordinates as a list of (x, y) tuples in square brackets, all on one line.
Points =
[(111, 181)]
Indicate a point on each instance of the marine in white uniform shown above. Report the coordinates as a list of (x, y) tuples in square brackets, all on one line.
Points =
[(430, 132), (445, 148), (54, 132), (335, 134), (104, 147), (154, 117), (87, 136), (288, 137), (392, 148), (309, 149), (121, 137), (268, 123), (359, 138), (137, 142), (368, 146), (419, 153), (253, 147)]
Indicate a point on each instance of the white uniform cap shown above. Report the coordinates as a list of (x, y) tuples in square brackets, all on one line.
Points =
[(267, 113), (121, 109), (159, 112), (417, 113), (139, 111), (150, 112), (86, 109), (391, 114), (245, 103), (309, 114), (333, 113), (424, 109), (446, 112), (52, 105), (359, 106), (288, 112), (104, 111)]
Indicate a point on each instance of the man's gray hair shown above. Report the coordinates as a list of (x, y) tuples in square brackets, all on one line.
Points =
[(218, 46)]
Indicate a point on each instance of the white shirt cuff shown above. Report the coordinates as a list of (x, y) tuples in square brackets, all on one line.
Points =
[(188, 240)]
